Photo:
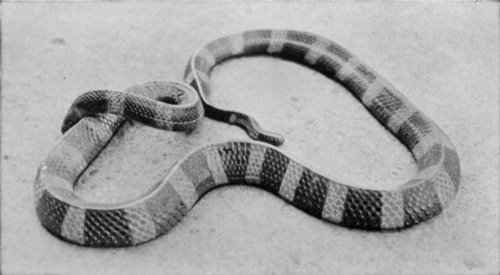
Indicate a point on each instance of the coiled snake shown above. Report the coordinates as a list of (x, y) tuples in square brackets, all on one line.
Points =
[(95, 116)]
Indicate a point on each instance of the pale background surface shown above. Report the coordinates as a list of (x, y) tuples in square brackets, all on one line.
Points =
[(444, 58)]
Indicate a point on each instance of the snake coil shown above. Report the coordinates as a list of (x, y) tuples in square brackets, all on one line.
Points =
[(95, 116)]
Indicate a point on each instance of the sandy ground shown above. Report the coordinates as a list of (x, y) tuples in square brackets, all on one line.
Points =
[(444, 57)]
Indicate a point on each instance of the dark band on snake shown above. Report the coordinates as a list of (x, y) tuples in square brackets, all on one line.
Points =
[(88, 130)]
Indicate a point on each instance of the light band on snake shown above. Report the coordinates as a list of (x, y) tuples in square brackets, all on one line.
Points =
[(95, 117)]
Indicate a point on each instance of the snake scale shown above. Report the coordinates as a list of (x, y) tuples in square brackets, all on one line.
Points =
[(95, 116)]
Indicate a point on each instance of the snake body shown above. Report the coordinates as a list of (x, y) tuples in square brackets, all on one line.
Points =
[(95, 116)]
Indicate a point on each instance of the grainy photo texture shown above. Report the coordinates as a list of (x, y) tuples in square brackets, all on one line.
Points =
[(254, 138)]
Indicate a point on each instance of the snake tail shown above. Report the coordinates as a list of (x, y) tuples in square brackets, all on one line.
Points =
[(63, 213)]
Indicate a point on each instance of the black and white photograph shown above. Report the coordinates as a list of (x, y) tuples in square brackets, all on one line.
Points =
[(249, 137)]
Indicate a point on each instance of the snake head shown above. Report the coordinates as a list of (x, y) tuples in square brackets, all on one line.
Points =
[(72, 117)]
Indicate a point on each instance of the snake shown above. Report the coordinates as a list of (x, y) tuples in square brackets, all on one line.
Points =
[(95, 116)]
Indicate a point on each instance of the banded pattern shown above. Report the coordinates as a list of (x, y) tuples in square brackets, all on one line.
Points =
[(70, 218), (170, 106)]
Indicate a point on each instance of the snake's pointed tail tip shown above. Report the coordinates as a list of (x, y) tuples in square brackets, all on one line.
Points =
[(280, 140), (273, 139)]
